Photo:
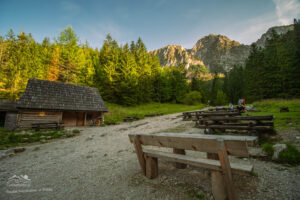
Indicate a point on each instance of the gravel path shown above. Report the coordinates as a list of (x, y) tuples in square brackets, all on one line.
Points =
[(100, 163)]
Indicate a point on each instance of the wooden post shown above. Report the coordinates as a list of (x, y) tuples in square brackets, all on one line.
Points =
[(217, 180), (151, 167), (218, 187), (84, 123), (225, 165), (139, 153), (181, 152)]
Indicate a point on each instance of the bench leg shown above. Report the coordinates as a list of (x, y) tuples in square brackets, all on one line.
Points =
[(140, 154), (225, 165), (151, 167), (181, 152), (218, 187)]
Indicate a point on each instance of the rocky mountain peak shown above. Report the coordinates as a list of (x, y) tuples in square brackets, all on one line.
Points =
[(217, 53), (261, 42), (173, 55)]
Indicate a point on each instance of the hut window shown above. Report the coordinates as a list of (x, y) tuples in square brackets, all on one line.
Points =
[(42, 114)]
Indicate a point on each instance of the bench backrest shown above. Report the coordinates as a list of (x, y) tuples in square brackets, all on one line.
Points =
[(235, 145)]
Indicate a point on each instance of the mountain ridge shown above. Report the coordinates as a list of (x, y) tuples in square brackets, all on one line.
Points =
[(217, 53)]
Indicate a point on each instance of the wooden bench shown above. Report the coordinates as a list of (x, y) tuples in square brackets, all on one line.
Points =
[(154, 114), (223, 109), (202, 114), (222, 146), (250, 123), (190, 114), (130, 118), (38, 126)]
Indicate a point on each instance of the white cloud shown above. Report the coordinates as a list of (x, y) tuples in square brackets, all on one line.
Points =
[(287, 10), (251, 30)]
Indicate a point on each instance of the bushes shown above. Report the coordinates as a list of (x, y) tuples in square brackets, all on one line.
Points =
[(76, 131), (268, 148), (291, 155), (221, 98), (193, 98)]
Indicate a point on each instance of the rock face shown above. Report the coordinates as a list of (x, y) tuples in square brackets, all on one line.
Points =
[(216, 52), (261, 42), (219, 53), (174, 55)]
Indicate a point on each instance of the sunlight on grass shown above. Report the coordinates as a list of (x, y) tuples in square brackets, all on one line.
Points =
[(117, 112), (282, 120)]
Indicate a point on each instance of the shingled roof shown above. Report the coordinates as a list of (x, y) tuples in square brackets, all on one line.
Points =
[(6, 105), (50, 95)]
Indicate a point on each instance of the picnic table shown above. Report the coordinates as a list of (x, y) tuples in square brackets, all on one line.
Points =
[(249, 123), (130, 118), (202, 114)]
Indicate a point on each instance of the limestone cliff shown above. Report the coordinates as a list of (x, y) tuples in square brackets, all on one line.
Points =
[(219, 53), (173, 55)]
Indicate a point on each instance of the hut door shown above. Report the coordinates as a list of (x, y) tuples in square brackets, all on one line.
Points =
[(80, 119), (2, 119)]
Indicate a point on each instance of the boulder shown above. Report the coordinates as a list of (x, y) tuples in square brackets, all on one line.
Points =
[(3, 155), (19, 149), (277, 149), (257, 153)]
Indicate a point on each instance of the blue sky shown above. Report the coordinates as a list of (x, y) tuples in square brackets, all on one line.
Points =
[(157, 22)]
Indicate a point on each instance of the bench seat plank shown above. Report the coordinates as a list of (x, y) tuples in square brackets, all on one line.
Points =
[(199, 162)]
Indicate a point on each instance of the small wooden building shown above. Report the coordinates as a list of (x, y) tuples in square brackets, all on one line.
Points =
[(48, 101), (8, 114)]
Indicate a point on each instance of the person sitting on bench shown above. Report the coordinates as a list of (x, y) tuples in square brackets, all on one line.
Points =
[(230, 106), (241, 106)]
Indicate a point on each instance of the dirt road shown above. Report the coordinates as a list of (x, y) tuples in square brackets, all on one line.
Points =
[(100, 163)]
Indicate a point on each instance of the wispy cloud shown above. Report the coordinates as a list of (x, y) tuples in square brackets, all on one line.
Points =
[(192, 14), (286, 10), (250, 30), (160, 3), (70, 6), (96, 33)]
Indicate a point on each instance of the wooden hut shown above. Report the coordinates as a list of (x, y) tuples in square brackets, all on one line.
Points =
[(48, 101), (8, 114)]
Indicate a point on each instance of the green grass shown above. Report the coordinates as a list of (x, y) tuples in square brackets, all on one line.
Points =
[(269, 149), (195, 195), (14, 138), (117, 112), (291, 155), (282, 120), (75, 131)]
